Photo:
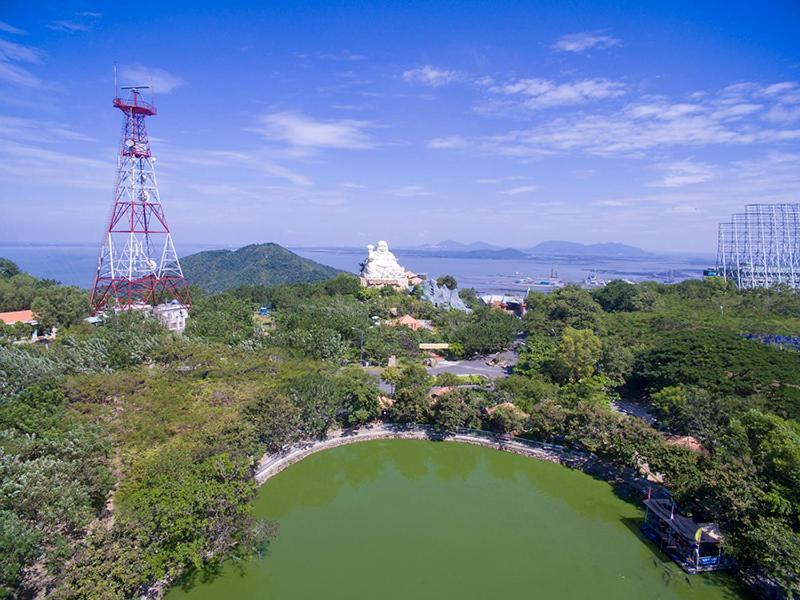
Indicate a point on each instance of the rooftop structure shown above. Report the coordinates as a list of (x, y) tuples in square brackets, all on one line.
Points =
[(511, 304), (18, 316), (137, 263), (696, 547), (761, 247)]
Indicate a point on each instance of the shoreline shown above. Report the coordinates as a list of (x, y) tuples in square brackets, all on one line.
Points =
[(272, 464)]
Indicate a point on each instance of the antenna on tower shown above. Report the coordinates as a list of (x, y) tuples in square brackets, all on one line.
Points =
[(116, 86)]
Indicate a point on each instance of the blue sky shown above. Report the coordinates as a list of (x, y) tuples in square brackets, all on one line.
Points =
[(339, 123)]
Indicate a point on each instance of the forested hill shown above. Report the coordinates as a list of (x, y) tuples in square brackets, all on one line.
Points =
[(257, 264)]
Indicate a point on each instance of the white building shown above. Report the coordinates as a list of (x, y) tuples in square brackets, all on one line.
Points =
[(172, 315)]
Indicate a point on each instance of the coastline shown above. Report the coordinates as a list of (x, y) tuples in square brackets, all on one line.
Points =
[(272, 464)]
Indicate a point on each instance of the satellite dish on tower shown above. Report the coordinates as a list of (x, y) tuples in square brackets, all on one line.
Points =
[(129, 143)]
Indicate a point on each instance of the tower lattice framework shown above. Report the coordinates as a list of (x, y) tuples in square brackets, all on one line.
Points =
[(137, 264), (761, 246)]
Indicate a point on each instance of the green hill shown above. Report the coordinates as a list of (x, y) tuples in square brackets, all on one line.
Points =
[(264, 264)]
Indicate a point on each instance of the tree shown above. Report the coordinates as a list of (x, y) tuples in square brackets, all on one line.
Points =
[(507, 418), (318, 399), (450, 411), (221, 318), (577, 354), (60, 306), (771, 543), (534, 356), (8, 268), (359, 391), (411, 394), (485, 331), (616, 295), (341, 285), (447, 281), (617, 360), (570, 306)]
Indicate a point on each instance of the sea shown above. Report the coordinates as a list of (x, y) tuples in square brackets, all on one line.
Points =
[(75, 264)]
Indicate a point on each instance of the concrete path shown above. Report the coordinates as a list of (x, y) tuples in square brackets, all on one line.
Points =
[(272, 464)]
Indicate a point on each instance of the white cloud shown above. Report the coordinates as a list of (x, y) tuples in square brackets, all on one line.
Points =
[(522, 189), (450, 142), (543, 93), (587, 40), (28, 164), (729, 117), (409, 191), (11, 52), (11, 29), (159, 80), (432, 76), (343, 55), (21, 129), (682, 173), (253, 161), (81, 22), (296, 129), (18, 76)]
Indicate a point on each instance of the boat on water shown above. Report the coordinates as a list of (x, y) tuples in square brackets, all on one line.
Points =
[(543, 283)]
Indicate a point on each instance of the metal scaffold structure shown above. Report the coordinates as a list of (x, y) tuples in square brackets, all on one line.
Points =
[(137, 265), (761, 246)]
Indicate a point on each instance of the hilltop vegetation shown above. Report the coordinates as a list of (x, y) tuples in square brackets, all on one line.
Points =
[(143, 442), (261, 264)]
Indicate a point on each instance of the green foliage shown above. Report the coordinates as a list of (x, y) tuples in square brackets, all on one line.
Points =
[(8, 268), (359, 392), (17, 292), (411, 394), (189, 414), (222, 318), (60, 306), (577, 355), (777, 547), (535, 355), (457, 408), (343, 284), (53, 478), (260, 264), (721, 362), (185, 507), (447, 281), (616, 361), (507, 418), (483, 331), (617, 295), (317, 397), (570, 306)]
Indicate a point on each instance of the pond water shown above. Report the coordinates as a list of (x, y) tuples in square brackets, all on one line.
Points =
[(417, 519)]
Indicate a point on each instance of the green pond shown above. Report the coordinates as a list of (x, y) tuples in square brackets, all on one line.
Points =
[(418, 519)]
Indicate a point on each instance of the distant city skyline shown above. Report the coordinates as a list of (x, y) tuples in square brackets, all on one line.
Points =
[(340, 124)]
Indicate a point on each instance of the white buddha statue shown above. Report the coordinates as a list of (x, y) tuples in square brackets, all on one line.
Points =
[(382, 265)]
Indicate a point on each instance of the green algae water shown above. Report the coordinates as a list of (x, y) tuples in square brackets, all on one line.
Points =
[(417, 519)]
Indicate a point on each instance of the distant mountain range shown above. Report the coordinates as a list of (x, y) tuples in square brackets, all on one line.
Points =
[(557, 248), (453, 249), (257, 264), (453, 246)]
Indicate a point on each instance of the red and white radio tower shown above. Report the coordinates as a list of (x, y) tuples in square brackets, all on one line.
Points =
[(137, 265)]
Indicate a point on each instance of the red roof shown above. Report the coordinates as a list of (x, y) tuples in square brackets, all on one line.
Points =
[(15, 316)]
